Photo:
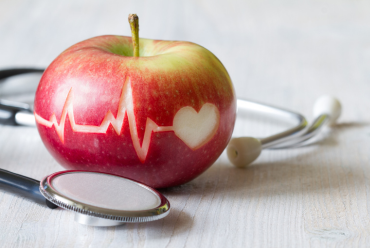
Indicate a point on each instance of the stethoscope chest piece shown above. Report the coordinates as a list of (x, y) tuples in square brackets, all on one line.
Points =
[(101, 199)]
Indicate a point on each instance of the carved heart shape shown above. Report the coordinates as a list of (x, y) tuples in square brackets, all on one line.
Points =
[(196, 129)]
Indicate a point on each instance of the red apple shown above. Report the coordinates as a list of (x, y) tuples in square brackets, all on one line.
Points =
[(162, 118)]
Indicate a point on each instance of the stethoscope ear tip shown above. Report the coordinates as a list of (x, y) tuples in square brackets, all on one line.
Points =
[(328, 105), (243, 151)]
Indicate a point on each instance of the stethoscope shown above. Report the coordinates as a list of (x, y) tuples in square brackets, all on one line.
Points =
[(73, 190)]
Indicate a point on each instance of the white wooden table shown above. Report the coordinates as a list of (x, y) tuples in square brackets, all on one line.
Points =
[(285, 53)]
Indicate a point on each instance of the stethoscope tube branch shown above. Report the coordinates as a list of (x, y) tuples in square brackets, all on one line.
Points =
[(23, 186), (6, 73), (10, 109), (309, 133), (282, 137)]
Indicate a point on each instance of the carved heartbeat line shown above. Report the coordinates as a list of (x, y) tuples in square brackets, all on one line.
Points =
[(194, 129)]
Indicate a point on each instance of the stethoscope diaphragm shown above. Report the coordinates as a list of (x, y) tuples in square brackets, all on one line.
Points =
[(101, 199), (96, 198)]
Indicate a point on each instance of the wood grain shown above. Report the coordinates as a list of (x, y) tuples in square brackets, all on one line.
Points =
[(285, 53)]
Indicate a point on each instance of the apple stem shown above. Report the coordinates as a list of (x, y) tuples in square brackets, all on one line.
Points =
[(133, 19)]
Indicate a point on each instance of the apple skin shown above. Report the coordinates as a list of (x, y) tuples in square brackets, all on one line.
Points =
[(168, 76)]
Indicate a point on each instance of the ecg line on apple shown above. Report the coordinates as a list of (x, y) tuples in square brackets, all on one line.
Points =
[(195, 129)]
